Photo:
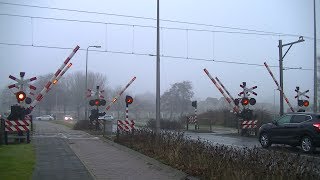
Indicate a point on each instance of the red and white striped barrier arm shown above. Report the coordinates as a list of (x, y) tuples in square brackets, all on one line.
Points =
[(231, 103), (224, 88), (62, 73), (49, 83), (280, 89), (121, 92)]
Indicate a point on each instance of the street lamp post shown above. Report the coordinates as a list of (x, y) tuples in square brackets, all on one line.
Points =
[(281, 66), (158, 72), (86, 110)]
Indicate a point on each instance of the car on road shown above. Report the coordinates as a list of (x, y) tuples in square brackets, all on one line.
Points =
[(106, 117), (68, 118), (45, 117), (295, 129)]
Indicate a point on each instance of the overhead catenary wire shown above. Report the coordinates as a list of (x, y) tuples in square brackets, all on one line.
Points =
[(146, 54), (147, 26), (154, 19)]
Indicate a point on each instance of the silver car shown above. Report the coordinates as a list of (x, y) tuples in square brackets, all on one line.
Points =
[(45, 118), (106, 117)]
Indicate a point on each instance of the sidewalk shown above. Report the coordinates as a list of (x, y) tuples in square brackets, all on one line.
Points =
[(108, 160), (63, 153)]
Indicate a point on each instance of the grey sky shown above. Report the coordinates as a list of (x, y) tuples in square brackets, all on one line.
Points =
[(284, 16)]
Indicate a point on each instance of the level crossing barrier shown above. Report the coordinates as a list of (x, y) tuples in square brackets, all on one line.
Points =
[(249, 127), (17, 129)]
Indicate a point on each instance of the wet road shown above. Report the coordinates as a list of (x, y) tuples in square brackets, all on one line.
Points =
[(236, 141)]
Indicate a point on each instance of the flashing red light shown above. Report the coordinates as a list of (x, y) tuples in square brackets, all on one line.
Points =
[(129, 100), (21, 96), (245, 101), (306, 103), (97, 102)]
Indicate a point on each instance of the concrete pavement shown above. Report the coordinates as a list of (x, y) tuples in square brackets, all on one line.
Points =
[(78, 153)]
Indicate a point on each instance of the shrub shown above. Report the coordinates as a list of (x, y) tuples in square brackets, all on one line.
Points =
[(207, 161), (165, 124)]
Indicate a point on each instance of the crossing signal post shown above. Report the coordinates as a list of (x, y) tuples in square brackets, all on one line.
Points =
[(95, 114), (301, 102), (128, 100), (194, 104), (246, 114), (21, 85), (18, 112)]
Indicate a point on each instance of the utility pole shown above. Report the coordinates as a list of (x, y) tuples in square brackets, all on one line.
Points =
[(158, 73), (281, 67), (281, 76), (315, 78)]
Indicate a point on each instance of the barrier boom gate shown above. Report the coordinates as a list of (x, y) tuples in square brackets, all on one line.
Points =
[(280, 88), (121, 92), (231, 103), (55, 78)]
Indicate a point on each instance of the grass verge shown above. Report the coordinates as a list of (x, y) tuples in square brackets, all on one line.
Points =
[(17, 161)]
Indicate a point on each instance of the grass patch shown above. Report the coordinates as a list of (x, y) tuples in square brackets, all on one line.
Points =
[(207, 161), (68, 124), (17, 161)]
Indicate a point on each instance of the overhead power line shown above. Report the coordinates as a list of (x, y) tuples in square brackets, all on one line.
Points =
[(146, 54), (137, 25), (260, 32)]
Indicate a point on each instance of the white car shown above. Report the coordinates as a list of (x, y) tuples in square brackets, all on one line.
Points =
[(106, 117), (68, 117), (45, 117)]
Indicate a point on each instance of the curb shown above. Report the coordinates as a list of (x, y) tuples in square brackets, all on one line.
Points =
[(84, 164)]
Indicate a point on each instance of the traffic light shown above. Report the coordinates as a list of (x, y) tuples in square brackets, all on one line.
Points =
[(28, 100), (194, 104), (245, 101), (236, 102), (17, 113), (303, 103), (21, 96), (252, 101), (129, 100), (97, 102)]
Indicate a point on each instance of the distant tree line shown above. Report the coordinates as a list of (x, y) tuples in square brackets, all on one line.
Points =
[(68, 95)]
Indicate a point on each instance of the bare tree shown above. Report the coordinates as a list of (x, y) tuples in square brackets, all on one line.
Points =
[(75, 86), (178, 98), (7, 99)]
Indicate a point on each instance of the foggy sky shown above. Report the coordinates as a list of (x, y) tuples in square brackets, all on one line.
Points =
[(285, 16)]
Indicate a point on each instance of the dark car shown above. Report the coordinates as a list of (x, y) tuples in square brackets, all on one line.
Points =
[(295, 129)]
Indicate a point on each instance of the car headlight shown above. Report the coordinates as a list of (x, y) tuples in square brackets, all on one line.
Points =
[(65, 118)]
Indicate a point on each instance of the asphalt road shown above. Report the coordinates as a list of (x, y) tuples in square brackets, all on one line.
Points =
[(224, 139)]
